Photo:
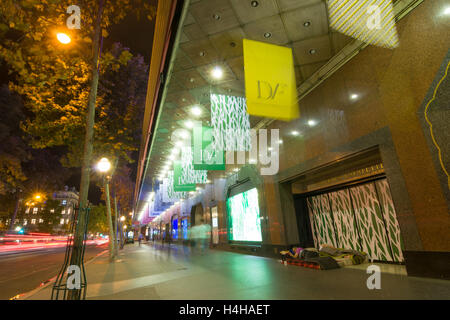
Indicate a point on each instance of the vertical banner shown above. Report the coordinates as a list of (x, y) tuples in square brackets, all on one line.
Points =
[(178, 186), (230, 122), (205, 156), (372, 22), (270, 85)]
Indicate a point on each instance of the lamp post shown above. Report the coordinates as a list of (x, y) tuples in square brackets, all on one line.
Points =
[(16, 210), (104, 166), (122, 219)]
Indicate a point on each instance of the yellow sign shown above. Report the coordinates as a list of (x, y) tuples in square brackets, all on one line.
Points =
[(270, 85)]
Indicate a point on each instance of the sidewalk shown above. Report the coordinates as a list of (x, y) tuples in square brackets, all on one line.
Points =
[(163, 272)]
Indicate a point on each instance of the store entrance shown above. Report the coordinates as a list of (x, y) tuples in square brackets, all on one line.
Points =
[(361, 217), (196, 214)]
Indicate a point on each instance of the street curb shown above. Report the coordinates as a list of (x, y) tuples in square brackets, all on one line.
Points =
[(44, 285)]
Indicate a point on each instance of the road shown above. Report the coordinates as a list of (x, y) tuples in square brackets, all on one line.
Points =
[(25, 271)]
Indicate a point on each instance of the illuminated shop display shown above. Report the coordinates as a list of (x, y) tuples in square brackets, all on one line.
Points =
[(175, 229), (243, 215), (184, 228), (230, 122)]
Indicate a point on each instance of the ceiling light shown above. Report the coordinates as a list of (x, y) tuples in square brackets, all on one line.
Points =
[(306, 23), (270, 148), (184, 134), (312, 51), (295, 133), (280, 141), (267, 35), (178, 144), (196, 111), (216, 16), (189, 124), (447, 11), (254, 4), (252, 161), (236, 169), (354, 96), (217, 73), (312, 123), (172, 157)]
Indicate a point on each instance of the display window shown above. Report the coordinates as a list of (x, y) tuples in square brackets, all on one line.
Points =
[(244, 222)]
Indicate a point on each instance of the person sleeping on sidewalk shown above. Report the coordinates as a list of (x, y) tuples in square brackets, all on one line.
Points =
[(293, 252)]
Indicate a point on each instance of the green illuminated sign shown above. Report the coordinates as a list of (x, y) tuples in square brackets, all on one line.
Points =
[(204, 155), (243, 216)]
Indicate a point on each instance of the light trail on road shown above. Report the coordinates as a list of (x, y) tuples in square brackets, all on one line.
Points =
[(11, 243)]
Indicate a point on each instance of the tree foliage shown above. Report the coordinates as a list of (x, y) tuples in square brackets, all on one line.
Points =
[(13, 150), (98, 219), (54, 79)]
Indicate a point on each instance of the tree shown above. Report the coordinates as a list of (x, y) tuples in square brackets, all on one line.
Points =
[(97, 220), (13, 149), (53, 79)]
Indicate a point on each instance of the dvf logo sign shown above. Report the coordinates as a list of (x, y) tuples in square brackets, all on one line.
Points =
[(270, 87), (269, 91)]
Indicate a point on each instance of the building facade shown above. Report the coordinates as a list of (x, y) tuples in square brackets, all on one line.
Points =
[(34, 212), (365, 166)]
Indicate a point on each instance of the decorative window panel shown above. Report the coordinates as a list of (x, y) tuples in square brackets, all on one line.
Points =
[(390, 218), (344, 220), (323, 220), (370, 222)]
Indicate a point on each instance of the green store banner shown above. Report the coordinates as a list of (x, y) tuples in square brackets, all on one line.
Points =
[(177, 177), (205, 157)]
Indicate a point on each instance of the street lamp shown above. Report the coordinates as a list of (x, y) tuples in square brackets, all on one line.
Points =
[(63, 38), (122, 219), (104, 166)]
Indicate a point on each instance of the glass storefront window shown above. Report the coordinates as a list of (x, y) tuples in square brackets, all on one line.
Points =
[(243, 216)]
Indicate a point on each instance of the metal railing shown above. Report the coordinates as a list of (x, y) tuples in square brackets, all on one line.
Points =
[(61, 290)]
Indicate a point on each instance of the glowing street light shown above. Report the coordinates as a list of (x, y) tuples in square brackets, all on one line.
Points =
[(63, 38), (103, 165), (122, 218)]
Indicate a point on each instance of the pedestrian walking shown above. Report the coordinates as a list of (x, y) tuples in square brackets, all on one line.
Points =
[(140, 237), (204, 236)]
